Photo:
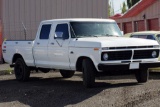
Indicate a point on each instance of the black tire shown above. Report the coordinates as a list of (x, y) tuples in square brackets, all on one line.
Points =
[(67, 73), (89, 72), (21, 70), (142, 75)]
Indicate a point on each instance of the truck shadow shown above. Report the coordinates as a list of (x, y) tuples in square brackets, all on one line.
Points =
[(51, 92)]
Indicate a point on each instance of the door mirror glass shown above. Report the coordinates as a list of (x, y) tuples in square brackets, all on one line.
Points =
[(58, 35)]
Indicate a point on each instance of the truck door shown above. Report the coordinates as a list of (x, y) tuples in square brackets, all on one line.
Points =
[(58, 47), (40, 46)]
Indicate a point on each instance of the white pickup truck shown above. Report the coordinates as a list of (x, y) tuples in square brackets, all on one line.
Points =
[(91, 46)]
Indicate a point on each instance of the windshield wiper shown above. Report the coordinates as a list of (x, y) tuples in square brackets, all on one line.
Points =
[(106, 35), (86, 36), (110, 35)]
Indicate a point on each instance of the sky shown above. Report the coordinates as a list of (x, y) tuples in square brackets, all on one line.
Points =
[(117, 4)]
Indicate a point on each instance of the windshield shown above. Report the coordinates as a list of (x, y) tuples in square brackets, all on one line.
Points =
[(95, 29)]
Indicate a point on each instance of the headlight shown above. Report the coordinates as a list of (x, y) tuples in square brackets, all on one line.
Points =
[(105, 56), (154, 54)]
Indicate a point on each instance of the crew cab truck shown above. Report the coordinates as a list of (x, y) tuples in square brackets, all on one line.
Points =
[(88, 45)]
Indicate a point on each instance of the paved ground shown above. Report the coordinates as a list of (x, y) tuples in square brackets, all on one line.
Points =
[(5, 69), (50, 90)]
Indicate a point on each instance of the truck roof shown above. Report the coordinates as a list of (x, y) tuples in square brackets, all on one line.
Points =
[(146, 32), (80, 20)]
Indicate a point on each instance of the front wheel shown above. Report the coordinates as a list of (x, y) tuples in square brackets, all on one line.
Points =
[(21, 70), (67, 73), (89, 71), (142, 75)]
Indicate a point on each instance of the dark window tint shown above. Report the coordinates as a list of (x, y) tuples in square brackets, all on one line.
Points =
[(63, 28), (158, 36), (45, 31), (139, 36), (150, 37)]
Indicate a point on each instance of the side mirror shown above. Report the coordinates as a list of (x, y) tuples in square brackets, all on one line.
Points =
[(58, 35)]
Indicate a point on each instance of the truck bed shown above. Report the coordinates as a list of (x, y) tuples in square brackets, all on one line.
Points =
[(24, 48)]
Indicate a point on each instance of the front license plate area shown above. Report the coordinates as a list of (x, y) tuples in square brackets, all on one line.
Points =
[(134, 66)]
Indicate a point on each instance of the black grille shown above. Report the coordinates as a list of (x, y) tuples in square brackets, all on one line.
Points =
[(143, 54), (118, 55), (131, 47)]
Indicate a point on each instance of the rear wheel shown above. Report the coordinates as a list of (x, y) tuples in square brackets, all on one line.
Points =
[(142, 75), (21, 70), (67, 73), (89, 71)]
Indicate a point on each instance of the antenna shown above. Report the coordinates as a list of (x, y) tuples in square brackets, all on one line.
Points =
[(25, 30)]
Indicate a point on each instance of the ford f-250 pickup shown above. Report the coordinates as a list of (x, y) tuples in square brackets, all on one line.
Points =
[(91, 46)]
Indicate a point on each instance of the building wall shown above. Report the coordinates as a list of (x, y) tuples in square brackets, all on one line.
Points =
[(0, 42), (151, 12), (31, 12)]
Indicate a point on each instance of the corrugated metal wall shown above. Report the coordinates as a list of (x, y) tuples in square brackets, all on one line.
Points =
[(31, 12), (0, 42), (0, 31)]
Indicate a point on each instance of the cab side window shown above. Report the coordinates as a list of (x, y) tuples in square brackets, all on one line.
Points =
[(45, 31), (64, 29)]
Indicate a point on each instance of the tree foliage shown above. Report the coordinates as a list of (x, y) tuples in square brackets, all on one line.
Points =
[(131, 3), (110, 9), (124, 7)]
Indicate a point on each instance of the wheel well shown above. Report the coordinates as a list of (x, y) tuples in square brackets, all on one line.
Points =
[(15, 57), (79, 62)]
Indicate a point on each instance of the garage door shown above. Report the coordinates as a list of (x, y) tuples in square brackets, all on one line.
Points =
[(127, 27), (0, 43), (153, 24), (139, 25)]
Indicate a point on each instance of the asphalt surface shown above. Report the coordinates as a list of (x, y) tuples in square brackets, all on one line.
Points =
[(51, 90)]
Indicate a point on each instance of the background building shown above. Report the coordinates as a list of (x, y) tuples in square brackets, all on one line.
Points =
[(145, 15), (30, 12)]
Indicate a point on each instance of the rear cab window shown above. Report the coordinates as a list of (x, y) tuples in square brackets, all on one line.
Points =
[(45, 32)]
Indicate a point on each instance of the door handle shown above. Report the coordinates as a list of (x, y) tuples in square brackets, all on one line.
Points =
[(52, 43), (38, 43)]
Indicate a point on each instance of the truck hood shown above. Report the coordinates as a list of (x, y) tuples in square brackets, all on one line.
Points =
[(113, 42)]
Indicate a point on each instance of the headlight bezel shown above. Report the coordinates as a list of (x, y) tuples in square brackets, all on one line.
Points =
[(105, 56), (154, 54)]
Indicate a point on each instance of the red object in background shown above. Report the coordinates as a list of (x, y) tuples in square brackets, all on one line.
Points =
[(127, 27), (135, 10), (139, 25), (153, 24), (1, 42)]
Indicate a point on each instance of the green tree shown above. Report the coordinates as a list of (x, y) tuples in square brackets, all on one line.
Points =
[(124, 7), (110, 9), (131, 3)]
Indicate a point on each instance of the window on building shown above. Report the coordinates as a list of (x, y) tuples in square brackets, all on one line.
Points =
[(45, 31), (64, 29)]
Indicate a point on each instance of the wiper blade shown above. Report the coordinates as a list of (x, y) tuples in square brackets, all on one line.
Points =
[(86, 36), (106, 35), (110, 35)]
